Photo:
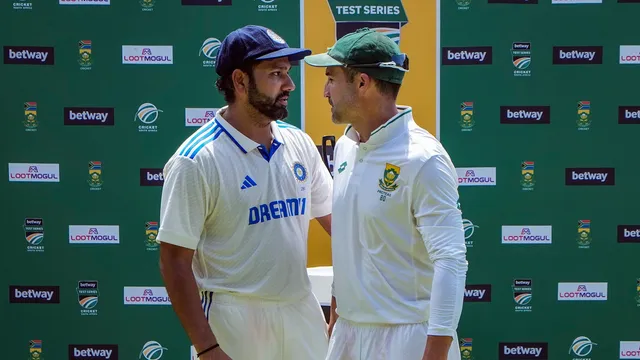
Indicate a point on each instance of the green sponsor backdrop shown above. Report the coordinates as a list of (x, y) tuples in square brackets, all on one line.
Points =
[(595, 141), (103, 82)]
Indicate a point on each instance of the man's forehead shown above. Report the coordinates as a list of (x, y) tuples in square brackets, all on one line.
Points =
[(279, 63), (332, 70)]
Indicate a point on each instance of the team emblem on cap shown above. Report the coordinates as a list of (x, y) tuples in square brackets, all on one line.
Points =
[(275, 37), (300, 172), (388, 181)]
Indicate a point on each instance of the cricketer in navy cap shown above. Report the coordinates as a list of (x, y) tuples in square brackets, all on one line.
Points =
[(259, 54)]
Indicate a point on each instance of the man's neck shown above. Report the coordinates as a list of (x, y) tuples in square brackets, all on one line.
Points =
[(248, 125), (373, 119)]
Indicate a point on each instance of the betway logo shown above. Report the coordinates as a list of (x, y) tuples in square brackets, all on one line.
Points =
[(477, 293), (567, 55), (523, 351), (629, 115), (34, 294), (88, 116), (590, 176), (93, 352), (151, 177), (629, 233), (480, 55), (28, 55), (525, 114)]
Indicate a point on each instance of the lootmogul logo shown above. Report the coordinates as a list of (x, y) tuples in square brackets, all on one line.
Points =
[(87, 234), (527, 234), (140, 295), (147, 55), (19, 172), (198, 116), (582, 291), (476, 176)]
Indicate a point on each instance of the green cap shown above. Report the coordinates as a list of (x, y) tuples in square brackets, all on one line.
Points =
[(369, 52)]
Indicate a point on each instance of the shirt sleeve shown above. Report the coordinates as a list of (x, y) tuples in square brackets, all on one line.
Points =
[(184, 205), (440, 223), (321, 186)]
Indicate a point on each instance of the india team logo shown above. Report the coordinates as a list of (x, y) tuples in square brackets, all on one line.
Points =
[(527, 181), (30, 116), (151, 229), (521, 58), (300, 172), (388, 180), (88, 297), (466, 116), (95, 175), (522, 294), (152, 350), (584, 115), (34, 234), (84, 55), (35, 350), (147, 114), (466, 348), (584, 234), (581, 348), (209, 49)]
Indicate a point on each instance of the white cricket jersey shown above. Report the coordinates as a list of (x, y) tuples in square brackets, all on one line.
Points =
[(246, 212), (397, 238)]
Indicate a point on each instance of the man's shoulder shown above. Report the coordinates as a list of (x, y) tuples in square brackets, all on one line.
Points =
[(422, 144), (202, 142)]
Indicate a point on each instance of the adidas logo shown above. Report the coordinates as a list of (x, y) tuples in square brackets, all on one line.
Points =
[(248, 183)]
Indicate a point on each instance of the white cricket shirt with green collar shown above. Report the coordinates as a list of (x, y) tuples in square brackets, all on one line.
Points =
[(398, 248)]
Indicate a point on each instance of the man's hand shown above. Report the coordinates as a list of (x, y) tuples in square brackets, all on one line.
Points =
[(437, 347)]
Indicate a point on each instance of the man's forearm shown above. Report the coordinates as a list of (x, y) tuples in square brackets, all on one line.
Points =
[(183, 292), (437, 347)]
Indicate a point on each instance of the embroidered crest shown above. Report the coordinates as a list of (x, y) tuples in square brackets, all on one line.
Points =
[(388, 181)]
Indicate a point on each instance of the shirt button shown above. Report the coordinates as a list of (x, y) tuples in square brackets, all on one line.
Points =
[(364, 148), (360, 160)]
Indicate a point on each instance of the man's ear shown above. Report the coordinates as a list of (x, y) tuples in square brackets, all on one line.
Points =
[(364, 81), (240, 80)]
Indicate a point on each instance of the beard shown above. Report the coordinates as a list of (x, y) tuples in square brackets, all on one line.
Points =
[(266, 105)]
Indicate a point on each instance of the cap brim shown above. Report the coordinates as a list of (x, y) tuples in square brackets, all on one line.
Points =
[(293, 54), (322, 60)]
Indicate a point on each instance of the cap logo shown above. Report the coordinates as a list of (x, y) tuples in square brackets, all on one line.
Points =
[(275, 37)]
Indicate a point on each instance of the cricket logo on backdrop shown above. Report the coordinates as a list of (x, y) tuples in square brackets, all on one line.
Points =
[(209, 49), (88, 297), (521, 58), (522, 294), (638, 292), (34, 234), (584, 115), (84, 56), (152, 350), (584, 234), (527, 180), (35, 350), (466, 349), (466, 116), (581, 348), (95, 175), (147, 5), (30, 116), (151, 229)]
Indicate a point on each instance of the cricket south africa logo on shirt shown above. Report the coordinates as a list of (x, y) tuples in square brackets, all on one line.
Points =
[(390, 175)]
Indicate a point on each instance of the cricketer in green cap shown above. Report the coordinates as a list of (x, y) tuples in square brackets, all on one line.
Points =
[(369, 52)]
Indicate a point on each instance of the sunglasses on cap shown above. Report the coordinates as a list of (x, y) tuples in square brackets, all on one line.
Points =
[(398, 62)]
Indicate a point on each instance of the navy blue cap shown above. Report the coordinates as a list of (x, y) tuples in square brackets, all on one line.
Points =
[(253, 42)]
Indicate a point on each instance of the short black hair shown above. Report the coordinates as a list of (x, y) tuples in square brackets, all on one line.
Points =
[(385, 87), (224, 83)]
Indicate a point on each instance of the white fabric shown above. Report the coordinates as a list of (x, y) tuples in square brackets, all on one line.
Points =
[(353, 341), (398, 248), (321, 278), (247, 217), (252, 329)]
